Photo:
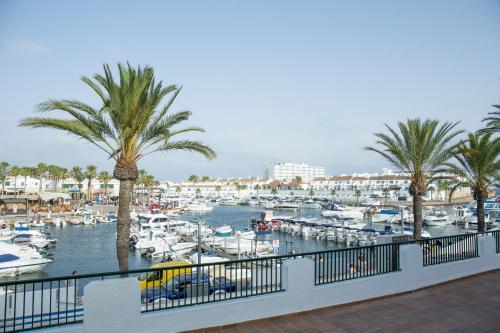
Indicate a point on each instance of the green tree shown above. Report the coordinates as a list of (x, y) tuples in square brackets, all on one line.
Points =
[(62, 174), (4, 173), (193, 179), (386, 191), (218, 188), (90, 173), (40, 171), (79, 176), (205, 179), (311, 193), (129, 125), (26, 172), (333, 192), (444, 186), (421, 148), (53, 174), (257, 188), (104, 177), (178, 189), (357, 193), (198, 192), (477, 167), (274, 191), (492, 122), (15, 172)]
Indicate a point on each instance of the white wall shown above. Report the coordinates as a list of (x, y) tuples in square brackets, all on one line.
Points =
[(113, 305)]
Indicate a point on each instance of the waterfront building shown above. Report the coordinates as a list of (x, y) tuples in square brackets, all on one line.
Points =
[(289, 171)]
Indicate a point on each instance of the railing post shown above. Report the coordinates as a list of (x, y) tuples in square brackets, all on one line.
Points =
[(410, 259), (486, 246), (112, 306)]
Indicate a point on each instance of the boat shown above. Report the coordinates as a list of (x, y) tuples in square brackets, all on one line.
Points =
[(207, 259), (287, 205), (183, 247), (198, 207), (389, 216), (223, 231), (15, 260), (342, 211), (229, 202), (437, 218), (311, 204)]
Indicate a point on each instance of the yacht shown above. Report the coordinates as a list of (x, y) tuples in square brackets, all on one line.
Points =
[(198, 207), (229, 202), (311, 204), (342, 212), (15, 260), (437, 217)]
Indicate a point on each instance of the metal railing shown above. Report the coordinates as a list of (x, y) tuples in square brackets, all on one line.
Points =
[(30, 304), (496, 234), (439, 250), (352, 263)]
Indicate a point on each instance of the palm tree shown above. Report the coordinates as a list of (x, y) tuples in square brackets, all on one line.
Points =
[(492, 122), (53, 172), (104, 177), (193, 179), (130, 124), (218, 188), (198, 192), (79, 176), (15, 171), (431, 190), (26, 172), (257, 188), (62, 174), (178, 189), (477, 168), (205, 179), (4, 173), (386, 191), (90, 173), (444, 186), (40, 171), (274, 191), (311, 193), (420, 149), (333, 192), (357, 193), (238, 188)]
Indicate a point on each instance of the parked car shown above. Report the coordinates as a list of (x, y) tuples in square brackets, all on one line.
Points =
[(163, 273), (187, 286)]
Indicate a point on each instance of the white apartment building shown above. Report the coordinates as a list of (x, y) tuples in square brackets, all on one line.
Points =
[(288, 171)]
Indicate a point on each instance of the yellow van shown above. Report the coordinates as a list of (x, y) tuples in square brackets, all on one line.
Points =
[(159, 278)]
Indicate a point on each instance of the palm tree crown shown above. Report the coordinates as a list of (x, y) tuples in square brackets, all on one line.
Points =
[(492, 121), (477, 165), (420, 149)]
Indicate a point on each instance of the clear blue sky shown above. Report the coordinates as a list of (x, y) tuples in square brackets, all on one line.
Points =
[(269, 80)]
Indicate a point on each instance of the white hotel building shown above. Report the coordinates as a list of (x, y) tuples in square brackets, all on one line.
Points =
[(288, 171)]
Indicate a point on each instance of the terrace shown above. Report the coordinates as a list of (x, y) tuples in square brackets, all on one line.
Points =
[(181, 298)]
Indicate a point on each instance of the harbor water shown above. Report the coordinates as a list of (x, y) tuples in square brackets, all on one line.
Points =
[(91, 248)]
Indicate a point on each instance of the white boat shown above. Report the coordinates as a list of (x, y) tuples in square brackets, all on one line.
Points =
[(229, 202), (437, 218), (267, 204), (183, 248), (15, 260), (206, 259), (38, 224), (160, 221), (223, 231), (287, 205), (311, 204), (198, 207), (342, 212)]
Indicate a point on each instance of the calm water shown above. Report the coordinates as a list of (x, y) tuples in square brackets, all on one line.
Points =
[(91, 249)]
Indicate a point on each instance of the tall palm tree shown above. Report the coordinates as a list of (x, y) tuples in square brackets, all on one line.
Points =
[(478, 168), (26, 172), (4, 173), (386, 191), (90, 173), (53, 173), (179, 190), (274, 191), (218, 188), (193, 179), (15, 171), (492, 122), (444, 186), (311, 193), (40, 171), (79, 176), (205, 179), (333, 192), (357, 193), (130, 124), (421, 148), (104, 177), (257, 188), (62, 174)]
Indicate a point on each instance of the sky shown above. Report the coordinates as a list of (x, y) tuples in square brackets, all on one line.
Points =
[(294, 81)]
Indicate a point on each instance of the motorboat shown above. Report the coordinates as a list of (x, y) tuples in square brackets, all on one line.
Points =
[(341, 211), (389, 216), (229, 202), (160, 221), (15, 260), (207, 259), (437, 218), (287, 205), (311, 204), (224, 231), (198, 207), (183, 247)]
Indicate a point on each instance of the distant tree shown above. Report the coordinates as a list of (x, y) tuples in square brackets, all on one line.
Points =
[(333, 192), (311, 193), (274, 191), (4, 173), (104, 177), (386, 192), (205, 179), (198, 192), (357, 193), (53, 174), (15, 171), (193, 179), (178, 189), (90, 173), (218, 188), (26, 172), (62, 174), (40, 171), (431, 190), (444, 186), (257, 188), (478, 168), (79, 176), (292, 194)]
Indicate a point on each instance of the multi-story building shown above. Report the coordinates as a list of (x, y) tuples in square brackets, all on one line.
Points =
[(289, 171)]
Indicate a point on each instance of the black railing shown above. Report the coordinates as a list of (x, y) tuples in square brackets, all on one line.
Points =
[(496, 234), (440, 250), (352, 263)]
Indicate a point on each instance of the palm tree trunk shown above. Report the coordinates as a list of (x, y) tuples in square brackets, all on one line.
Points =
[(25, 185), (41, 181), (89, 184), (480, 214), (417, 216), (15, 186), (123, 224)]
